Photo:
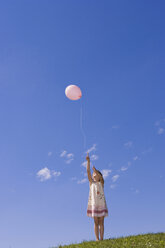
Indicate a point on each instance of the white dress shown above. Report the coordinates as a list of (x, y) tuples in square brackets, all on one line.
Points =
[(96, 201)]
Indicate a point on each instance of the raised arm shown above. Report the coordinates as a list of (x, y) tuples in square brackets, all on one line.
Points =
[(88, 168)]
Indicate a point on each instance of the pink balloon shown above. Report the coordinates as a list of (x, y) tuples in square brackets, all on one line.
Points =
[(73, 92)]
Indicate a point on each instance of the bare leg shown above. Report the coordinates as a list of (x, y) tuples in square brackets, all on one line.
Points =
[(96, 228), (101, 224), (101, 231)]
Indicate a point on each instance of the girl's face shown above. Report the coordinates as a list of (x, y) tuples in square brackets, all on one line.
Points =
[(95, 177)]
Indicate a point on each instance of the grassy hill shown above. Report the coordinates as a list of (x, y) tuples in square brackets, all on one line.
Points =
[(149, 240)]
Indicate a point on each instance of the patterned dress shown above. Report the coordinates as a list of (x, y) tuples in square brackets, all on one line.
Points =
[(96, 201)]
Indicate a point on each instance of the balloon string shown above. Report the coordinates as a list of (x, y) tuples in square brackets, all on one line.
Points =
[(81, 126)]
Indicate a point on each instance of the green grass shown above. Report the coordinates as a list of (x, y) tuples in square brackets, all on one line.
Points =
[(149, 240)]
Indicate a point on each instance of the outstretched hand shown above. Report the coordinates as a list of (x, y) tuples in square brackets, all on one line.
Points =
[(87, 157)]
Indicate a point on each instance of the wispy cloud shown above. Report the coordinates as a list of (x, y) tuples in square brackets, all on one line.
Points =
[(124, 168), (69, 161), (115, 177), (115, 127), (45, 174), (128, 144), (135, 158), (63, 154), (93, 148), (82, 181), (68, 156), (112, 186), (160, 124), (147, 150), (106, 173), (160, 130), (84, 164), (84, 173), (94, 157), (49, 154), (136, 191), (56, 173)]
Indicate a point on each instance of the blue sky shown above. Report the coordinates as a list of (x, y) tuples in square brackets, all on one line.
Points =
[(114, 51)]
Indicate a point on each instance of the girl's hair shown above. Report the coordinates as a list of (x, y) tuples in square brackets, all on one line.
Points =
[(100, 174)]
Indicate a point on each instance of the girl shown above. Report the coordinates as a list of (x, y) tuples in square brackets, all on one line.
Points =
[(97, 207)]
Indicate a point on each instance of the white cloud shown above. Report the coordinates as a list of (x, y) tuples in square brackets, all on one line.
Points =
[(128, 144), (69, 160), (115, 127), (49, 154), (114, 178), (56, 173), (161, 121), (70, 155), (112, 186), (82, 181), (93, 148), (94, 157), (135, 158), (44, 174), (84, 164), (106, 173), (124, 168), (160, 130), (63, 153)]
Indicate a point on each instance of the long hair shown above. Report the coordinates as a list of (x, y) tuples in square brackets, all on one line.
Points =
[(101, 175)]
